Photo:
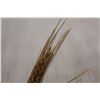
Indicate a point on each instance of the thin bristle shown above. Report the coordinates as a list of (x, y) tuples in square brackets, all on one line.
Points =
[(57, 31), (61, 25), (55, 49), (48, 40), (77, 76), (51, 38), (55, 34)]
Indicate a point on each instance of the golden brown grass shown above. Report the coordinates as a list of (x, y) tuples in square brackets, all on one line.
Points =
[(47, 54), (77, 76)]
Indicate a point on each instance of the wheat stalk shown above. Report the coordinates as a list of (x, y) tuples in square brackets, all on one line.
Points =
[(77, 76), (47, 54)]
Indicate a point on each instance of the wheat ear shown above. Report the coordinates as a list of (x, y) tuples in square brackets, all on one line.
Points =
[(47, 54)]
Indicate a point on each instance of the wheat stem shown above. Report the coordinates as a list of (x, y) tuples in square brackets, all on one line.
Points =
[(77, 76)]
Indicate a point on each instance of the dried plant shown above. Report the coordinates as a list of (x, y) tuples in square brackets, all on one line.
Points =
[(77, 76), (47, 54)]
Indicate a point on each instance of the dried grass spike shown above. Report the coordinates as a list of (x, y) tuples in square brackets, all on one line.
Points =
[(46, 55)]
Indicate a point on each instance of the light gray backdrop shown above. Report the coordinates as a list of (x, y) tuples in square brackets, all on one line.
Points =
[(22, 40)]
